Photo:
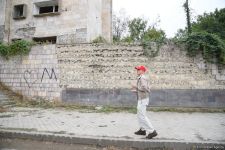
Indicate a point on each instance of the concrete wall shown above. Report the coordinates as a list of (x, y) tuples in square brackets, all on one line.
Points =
[(78, 21), (102, 74), (34, 76)]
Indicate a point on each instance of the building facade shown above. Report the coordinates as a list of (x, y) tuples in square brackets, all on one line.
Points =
[(56, 21)]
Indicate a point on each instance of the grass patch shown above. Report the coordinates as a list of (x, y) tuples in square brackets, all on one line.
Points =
[(109, 109), (21, 101), (21, 129), (81, 108), (186, 110)]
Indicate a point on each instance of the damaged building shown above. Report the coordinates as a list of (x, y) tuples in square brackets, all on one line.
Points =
[(55, 21)]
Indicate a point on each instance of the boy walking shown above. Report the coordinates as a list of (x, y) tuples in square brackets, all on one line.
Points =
[(142, 90)]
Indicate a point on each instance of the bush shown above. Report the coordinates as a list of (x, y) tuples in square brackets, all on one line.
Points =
[(210, 45), (127, 39), (99, 39), (19, 47), (4, 50), (151, 48)]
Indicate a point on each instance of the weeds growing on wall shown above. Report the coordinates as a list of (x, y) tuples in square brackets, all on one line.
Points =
[(151, 48), (99, 39), (4, 50), (209, 45), (19, 47)]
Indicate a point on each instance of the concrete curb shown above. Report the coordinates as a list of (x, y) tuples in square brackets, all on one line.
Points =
[(111, 141)]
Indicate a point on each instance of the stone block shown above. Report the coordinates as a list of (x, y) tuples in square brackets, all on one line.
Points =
[(159, 98)]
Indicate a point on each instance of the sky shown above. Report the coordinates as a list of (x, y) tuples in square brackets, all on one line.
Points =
[(170, 12)]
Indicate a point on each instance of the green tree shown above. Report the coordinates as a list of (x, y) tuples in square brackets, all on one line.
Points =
[(213, 22), (207, 37), (137, 28), (153, 34)]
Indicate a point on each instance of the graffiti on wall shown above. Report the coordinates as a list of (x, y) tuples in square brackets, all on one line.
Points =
[(32, 76), (29, 77), (50, 74)]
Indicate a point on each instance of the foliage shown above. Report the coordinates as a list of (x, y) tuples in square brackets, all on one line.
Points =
[(19, 47), (99, 39), (210, 45), (207, 37), (4, 50), (152, 34), (213, 22), (181, 34), (119, 23), (152, 41), (137, 28), (151, 48), (150, 37), (127, 39)]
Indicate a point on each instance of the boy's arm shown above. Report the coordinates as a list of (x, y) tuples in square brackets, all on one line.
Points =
[(144, 85)]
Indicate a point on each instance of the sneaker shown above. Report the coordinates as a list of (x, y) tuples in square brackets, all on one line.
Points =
[(140, 132), (151, 135)]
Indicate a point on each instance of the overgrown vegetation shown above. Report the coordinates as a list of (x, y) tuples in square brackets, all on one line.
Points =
[(187, 110), (108, 109), (99, 39), (81, 108), (19, 47), (151, 49), (206, 36), (138, 30), (213, 23), (152, 40), (209, 45)]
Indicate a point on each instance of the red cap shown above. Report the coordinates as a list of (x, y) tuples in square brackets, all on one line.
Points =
[(143, 68)]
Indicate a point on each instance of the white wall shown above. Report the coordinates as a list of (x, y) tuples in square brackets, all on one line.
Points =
[(94, 19), (74, 15)]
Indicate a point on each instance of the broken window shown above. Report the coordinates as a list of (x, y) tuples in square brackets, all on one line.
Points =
[(46, 8), (19, 11), (50, 39), (15, 39)]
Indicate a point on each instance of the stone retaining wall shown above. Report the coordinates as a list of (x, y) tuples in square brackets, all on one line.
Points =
[(36, 75), (102, 74)]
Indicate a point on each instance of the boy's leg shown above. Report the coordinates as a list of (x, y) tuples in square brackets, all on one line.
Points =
[(143, 120)]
